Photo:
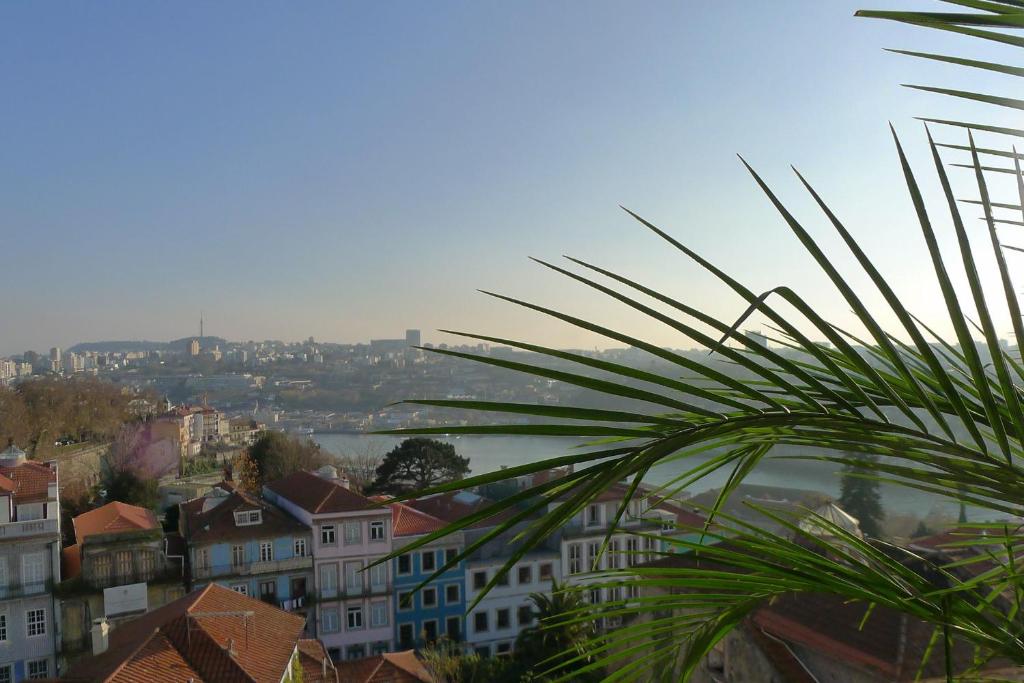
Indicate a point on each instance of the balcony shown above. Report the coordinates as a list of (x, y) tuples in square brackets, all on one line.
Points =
[(25, 590), (346, 594), (292, 604), (35, 527), (253, 568)]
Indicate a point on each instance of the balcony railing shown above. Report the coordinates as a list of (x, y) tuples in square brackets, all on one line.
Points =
[(25, 590), (252, 568), (341, 593), (35, 527)]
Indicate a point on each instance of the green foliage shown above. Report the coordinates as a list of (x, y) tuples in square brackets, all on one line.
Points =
[(938, 413), (446, 662), (561, 627), (859, 496), (277, 455), (199, 465), (126, 487), (246, 473), (417, 465)]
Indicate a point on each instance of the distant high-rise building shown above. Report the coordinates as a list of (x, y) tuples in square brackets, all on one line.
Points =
[(757, 338), (412, 337), (55, 354), (194, 347)]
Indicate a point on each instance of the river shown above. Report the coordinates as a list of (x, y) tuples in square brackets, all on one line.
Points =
[(490, 453)]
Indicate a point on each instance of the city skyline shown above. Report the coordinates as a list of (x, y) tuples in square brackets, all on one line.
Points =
[(345, 182)]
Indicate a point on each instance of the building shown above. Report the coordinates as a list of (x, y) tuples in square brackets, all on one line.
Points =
[(412, 338), (391, 667), (438, 607), (29, 566), (355, 607), (193, 348), (317, 666), (243, 431), (250, 546), (211, 634), (120, 566)]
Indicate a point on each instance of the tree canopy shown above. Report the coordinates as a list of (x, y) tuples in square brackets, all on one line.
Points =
[(859, 496), (276, 455), (417, 465)]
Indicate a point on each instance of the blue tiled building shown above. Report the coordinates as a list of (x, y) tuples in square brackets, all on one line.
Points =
[(250, 546), (439, 607)]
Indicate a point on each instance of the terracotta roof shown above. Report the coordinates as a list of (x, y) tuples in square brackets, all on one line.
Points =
[(113, 517), (213, 634), (397, 667), (317, 666), (218, 523), (319, 496), (70, 562), (782, 658), (408, 521), (456, 505), (31, 480)]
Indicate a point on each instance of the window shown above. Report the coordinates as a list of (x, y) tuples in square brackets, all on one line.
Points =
[(450, 554), (575, 565), (479, 580), (328, 580), (525, 575), (3, 627), (405, 599), (404, 564), (237, 555), (632, 591), (328, 534), (592, 562), (39, 668), (355, 617), (145, 565), (202, 559), (240, 588), (353, 533), (35, 622), (379, 577), (430, 630), (503, 649), (268, 591), (355, 652), (453, 628), (379, 648), (266, 551), (593, 515), (329, 620), (547, 571), (632, 551), (614, 594), (378, 614), (483, 650), (377, 531), (451, 594), (504, 618), (405, 638), (299, 547), (614, 548), (33, 570), (353, 577), (429, 597), (427, 561), (101, 566), (501, 579), (6, 673), (650, 544), (595, 596), (123, 564), (334, 653), (248, 517), (480, 622), (524, 615)]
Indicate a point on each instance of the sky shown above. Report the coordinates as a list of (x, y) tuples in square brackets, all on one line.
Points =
[(350, 170)]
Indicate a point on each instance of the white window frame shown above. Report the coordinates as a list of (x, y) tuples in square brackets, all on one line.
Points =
[(44, 673), (331, 531), (237, 558), (299, 547), (357, 537), (266, 551), (378, 532), (423, 597), (575, 558), (328, 589), (3, 627), (329, 625), (241, 588), (39, 626), (357, 586), (528, 568), (379, 576), (593, 562), (36, 561), (398, 565), (614, 553), (593, 515), (6, 673), (354, 611), (382, 607), (437, 632), (487, 622), (401, 606)]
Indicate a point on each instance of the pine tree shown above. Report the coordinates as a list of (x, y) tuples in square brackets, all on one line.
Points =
[(859, 496)]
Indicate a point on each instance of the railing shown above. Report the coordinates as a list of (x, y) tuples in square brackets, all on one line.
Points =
[(34, 527), (292, 604), (341, 593), (166, 574), (252, 568), (22, 590)]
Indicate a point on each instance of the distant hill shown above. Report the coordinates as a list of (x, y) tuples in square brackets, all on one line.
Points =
[(179, 345)]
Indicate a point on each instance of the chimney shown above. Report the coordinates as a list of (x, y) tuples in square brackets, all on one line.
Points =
[(323, 667), (100, 635), (344, 482)]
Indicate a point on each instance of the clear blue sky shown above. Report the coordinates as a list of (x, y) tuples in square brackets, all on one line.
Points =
[(348, 170)]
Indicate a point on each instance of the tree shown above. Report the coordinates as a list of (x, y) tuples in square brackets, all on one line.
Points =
[(361, 466), (418, 464), (246, 473), (126, 487), (277, 455), (559, 628), (938, 401), (859, 496)]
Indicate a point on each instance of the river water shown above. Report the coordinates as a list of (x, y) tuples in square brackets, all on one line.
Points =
[(490, 453)]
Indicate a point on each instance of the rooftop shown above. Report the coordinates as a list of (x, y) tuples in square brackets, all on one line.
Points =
[(399, 667), (111, 518), (218, 523), (319, 496), (29, 481)]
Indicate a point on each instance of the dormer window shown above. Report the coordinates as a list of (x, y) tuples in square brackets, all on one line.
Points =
[(248, 517)]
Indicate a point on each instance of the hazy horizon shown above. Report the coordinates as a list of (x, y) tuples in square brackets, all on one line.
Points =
[(348, 172)]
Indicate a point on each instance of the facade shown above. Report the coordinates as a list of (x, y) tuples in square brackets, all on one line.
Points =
[(438, 608), (29, 567), (212, 634), (250, 546), (355, 607), (123, 547)]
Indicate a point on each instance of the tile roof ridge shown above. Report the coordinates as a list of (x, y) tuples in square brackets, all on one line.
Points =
[(131, 655)]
